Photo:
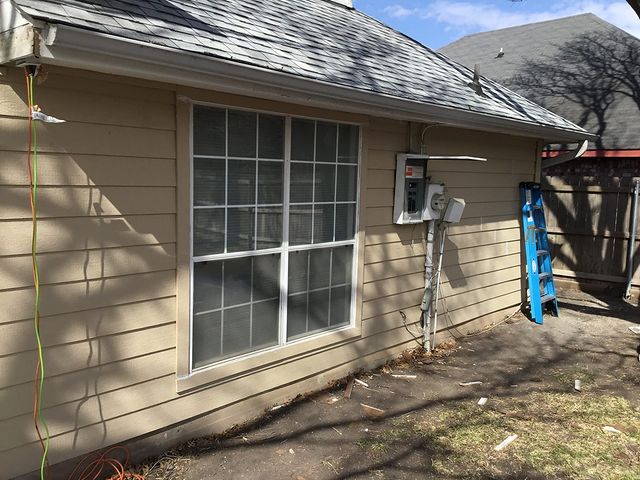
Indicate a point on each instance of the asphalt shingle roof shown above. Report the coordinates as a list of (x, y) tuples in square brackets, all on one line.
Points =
[(542, 43), (314, 39)]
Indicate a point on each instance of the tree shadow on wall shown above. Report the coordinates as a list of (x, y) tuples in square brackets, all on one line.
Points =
[(594, 80)]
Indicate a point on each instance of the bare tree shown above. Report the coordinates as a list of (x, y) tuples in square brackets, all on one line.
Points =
[(587, 80), (590, 71)]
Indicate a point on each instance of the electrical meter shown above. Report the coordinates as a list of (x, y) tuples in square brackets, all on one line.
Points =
[(434, 201)]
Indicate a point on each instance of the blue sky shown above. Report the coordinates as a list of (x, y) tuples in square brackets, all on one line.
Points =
[(438, 22)]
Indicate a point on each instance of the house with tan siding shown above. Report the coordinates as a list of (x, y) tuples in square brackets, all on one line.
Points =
[(215, 229)]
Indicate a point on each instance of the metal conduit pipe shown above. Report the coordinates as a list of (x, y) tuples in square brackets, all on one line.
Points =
[(428, 286), (428, 263), (443, 229), (632, 237)]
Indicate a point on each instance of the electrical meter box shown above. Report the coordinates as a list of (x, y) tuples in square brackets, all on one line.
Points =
[(411, 181), (416, 200)]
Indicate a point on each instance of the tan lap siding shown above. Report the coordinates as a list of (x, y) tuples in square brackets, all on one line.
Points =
[(107, 252), (481, 275), (108, 249), (108, 256), (394, 254)]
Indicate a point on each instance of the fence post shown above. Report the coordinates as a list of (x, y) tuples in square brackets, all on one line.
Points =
[(632, 238)]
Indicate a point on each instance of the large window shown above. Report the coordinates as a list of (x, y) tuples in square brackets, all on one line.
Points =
[(273, 228)]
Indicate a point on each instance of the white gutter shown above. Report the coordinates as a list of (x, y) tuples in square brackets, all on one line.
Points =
[(84, 49), (566, 156)]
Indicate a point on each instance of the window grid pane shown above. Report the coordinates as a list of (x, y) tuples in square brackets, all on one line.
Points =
[(333, 181), (238, 183), (270, 136), (209, 131), (243, 316), (322, 206), (319, 296), (242, 133)]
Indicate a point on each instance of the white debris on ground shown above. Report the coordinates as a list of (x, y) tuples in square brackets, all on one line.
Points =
[(506, 442)]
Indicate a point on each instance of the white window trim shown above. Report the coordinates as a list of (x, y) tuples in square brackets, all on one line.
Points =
[(284, 349)]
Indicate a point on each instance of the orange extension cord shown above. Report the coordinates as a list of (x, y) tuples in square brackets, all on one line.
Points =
[(38, 419), (91, 467), (94, 469)]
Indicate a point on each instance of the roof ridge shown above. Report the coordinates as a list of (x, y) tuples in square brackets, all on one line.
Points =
[(611, 26), (514, 27)]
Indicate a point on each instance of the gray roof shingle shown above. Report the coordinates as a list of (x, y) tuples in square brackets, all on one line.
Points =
[(528, 49), (314, 39)]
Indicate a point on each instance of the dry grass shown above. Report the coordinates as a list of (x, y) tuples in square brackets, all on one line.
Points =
[(560, 435), (568, 376), (170, 466)]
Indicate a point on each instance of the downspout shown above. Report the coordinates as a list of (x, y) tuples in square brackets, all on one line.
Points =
[(632, 238), (566, 156)]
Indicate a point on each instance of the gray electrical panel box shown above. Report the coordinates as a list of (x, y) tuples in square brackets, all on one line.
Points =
[(411, 182), (415, 199)]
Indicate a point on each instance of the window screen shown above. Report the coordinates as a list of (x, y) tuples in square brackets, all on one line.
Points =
[(237, 195), (245, 178), (319, 293), (324, 178), (235, 307)]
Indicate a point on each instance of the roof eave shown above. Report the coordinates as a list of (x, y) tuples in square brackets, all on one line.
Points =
[(85, 49)]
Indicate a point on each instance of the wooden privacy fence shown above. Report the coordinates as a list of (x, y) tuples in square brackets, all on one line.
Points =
[(588, 228)]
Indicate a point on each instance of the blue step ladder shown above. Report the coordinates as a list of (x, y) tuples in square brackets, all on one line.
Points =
[(542, 290)]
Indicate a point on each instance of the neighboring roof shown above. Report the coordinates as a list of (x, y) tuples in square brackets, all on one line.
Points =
[(542, 43), (312, 39)]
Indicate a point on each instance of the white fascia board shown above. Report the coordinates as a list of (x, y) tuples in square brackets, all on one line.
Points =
[(83, 49)]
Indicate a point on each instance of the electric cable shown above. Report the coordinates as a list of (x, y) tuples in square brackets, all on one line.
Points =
[(32, 156), (94, 468)]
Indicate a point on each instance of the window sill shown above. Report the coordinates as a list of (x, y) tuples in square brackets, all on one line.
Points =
[(227, 371)]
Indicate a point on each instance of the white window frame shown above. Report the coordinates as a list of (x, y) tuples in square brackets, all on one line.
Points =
[(284, 249)]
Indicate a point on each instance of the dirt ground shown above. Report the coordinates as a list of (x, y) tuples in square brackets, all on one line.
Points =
[(432, 427)]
